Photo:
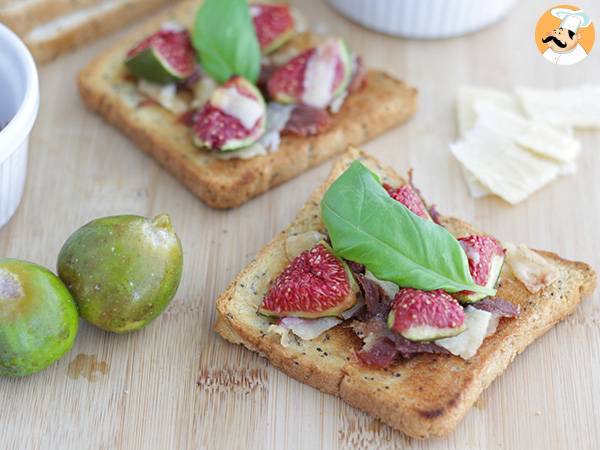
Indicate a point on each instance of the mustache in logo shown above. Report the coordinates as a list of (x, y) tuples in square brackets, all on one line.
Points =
[(556, 41)]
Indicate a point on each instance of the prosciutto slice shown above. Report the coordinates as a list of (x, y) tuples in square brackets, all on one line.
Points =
[(376, 300), (382, 346), (381, 354), (497, 306), (307, 121)]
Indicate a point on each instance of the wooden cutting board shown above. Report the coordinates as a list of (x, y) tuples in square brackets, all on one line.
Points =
[(177, 385)]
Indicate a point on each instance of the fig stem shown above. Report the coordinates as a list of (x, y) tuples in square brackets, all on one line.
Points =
[(162, 221)]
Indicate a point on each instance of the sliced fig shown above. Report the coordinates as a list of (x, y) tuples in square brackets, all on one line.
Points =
[(406, 195), (315, 284), (315, 77), (274, 25), (425, 315), (486, 258), (167, 56), (234, 116)]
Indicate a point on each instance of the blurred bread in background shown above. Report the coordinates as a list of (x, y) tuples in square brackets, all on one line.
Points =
[(53, 27)]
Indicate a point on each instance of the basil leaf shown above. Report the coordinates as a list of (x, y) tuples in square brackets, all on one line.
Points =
[(225, 40), (367, 226)]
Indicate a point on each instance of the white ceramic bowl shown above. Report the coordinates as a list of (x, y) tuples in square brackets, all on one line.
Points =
[(19, 101), (424, 19)]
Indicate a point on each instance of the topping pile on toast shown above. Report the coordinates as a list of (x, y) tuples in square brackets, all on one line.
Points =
[(233, 116), (233, 122), (365, 297), (317, 284)]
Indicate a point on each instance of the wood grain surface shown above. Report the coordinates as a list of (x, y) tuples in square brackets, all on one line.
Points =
[(177, 385)]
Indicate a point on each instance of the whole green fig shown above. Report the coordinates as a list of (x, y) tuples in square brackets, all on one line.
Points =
[(123, 271), (38, 318)]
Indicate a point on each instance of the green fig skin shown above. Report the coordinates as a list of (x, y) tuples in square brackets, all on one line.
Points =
[(123, 271), (38, 318), (149, 65)]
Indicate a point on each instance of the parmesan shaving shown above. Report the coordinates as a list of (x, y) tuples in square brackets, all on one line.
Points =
[(164, 95), (478, 324), (538, 137), (502, 166), (291, 328), (319, 76), (203, 89), (247, 110), (468, 96), (530, 268), (277, 116), (496, 127), (577, 107), (287, 337)]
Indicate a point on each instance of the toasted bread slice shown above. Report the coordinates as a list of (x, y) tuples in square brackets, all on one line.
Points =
[(53, 27), (23, 16), (424, 396), (384, 103)]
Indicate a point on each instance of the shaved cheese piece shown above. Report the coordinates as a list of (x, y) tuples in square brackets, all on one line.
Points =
[(172, 25), (493, 324), (203, 89), (502, 113), (247, 110), (467, 117), (538, 137), (468, 96), (575, 107), (287, 337), (502, 166), (476, 189), (468, 342), (319, 75), (530, 268), (277, 116), (165, 95), (308, 329)]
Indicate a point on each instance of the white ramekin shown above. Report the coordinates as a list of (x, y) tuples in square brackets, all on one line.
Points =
[(19, 101), (424, 19)]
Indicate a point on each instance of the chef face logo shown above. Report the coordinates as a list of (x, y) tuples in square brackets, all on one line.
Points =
[(565, 35), (561, 40)]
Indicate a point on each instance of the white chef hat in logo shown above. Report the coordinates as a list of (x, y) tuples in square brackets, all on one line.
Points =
[(570, 19)]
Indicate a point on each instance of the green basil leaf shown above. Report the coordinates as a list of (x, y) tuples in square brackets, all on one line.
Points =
[(367, 226), (225, 40)]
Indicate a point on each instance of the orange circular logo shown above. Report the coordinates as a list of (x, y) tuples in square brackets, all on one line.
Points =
[(565, 35)]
